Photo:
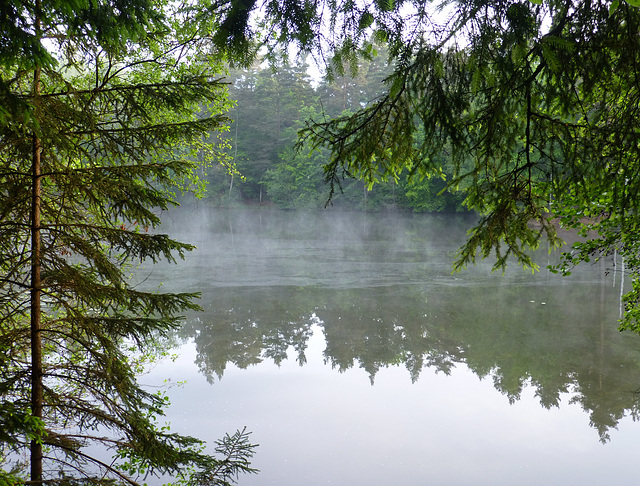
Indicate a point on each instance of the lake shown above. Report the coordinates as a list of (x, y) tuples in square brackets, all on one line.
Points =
[(354, 355)]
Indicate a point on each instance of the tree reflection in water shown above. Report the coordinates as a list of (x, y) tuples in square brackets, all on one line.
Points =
[(380, 289), (543, 343)]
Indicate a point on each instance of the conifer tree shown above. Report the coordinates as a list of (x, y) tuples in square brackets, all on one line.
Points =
[(535, 103), (103, 105)]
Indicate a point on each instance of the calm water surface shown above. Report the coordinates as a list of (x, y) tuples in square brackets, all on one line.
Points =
[(355, 357)]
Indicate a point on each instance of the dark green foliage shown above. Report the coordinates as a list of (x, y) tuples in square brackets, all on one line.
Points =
[(534, 102), (297, 181), (95, 135), (269, 102)]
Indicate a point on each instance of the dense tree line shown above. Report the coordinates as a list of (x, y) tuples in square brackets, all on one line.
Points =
[(273, 101)]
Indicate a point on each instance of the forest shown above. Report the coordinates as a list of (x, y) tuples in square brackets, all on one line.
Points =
[(525, 112), (272, 102)]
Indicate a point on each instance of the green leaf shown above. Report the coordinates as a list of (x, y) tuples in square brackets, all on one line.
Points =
[(366, 19), (613, 7), (386, 5)]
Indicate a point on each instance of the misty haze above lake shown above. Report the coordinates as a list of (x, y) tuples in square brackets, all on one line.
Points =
[(345, 343)]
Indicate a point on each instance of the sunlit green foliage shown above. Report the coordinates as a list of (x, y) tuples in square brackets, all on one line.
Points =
[(269, 102), (272, 103)]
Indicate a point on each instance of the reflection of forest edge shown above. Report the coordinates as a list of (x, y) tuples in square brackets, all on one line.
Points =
[(379, 288), (556, 350)]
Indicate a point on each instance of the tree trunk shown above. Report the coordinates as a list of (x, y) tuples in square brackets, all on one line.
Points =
[(36, 283)]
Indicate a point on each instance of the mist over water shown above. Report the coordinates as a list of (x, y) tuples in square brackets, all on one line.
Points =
[(345, 343), (332, 249)]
